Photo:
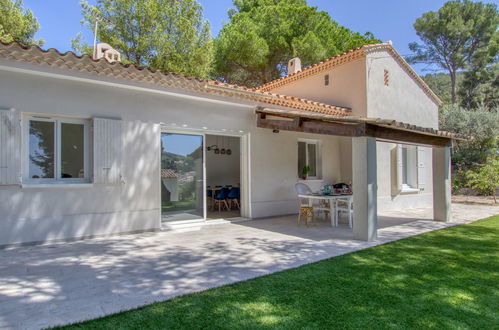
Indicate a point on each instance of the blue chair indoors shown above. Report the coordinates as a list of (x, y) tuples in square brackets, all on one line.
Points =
[(209, 196), (233, 197), (221, 199)]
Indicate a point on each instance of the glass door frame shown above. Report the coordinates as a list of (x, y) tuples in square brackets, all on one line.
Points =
[(244, 167), (164, 130)]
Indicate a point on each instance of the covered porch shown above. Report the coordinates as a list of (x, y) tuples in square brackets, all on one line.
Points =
[(364, 134)]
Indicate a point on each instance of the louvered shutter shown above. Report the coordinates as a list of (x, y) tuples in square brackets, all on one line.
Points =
[(10, 164), (108, 151), (397, 168), (421, 167)]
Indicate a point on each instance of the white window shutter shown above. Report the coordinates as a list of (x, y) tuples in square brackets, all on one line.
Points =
[(10, 137), (397, 168), (108, 151), (421, 167)]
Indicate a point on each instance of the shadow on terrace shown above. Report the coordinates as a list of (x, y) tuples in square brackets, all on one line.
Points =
[(322, 229), (42, 286)]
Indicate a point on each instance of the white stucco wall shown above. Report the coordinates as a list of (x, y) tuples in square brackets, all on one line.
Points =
[(274, 167), (42, 214), (386, 174), (403, 99), (45, 214), (225, 169), (347, 87)]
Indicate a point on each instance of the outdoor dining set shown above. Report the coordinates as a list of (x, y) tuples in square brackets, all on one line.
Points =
[(332, 201)]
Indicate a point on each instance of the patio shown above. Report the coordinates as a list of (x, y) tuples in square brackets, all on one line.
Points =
[(42, 286)]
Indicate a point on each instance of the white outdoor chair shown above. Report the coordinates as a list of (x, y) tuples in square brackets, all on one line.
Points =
[(305, 210), (344, 205), (303, 189)]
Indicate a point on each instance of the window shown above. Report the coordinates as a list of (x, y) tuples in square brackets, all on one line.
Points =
[(308, 155), (409, 168), (57, 150), (326, 80)]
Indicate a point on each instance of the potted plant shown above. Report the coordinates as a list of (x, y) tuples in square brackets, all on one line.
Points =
[(305, 171)]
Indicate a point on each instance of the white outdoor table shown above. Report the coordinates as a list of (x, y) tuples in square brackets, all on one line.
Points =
[(332, 199)]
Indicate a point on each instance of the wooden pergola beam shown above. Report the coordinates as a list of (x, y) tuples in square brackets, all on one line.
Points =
[(312, 126), (404, 136), (381, 133)]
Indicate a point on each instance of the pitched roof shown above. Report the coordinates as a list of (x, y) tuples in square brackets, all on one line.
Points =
[(290, 105), (346, 57), (71, 62)]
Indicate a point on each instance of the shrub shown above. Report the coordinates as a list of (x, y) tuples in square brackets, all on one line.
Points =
[(486, 178)]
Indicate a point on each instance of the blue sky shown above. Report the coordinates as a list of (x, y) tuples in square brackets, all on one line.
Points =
[(180, 144), (387, 19)]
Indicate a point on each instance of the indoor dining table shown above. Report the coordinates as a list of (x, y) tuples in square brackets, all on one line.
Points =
[(332, 200)]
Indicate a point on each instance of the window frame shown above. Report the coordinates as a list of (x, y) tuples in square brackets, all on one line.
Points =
[(318, 158), (409, 169), (58, 121)]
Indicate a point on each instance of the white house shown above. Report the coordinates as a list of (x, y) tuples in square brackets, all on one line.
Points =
[(83, 142)]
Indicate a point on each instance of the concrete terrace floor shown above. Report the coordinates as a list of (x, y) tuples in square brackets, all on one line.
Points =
[(56, 284)]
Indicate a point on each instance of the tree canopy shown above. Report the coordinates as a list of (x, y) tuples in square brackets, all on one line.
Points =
[(18, 24), (170, 35), (482, 124), (462, 34), (262, 35), (440, 84)]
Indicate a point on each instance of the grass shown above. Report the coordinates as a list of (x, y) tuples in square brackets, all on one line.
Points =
[(447, 279)]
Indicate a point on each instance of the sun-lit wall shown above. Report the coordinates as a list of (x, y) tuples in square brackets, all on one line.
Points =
[(58, 212)]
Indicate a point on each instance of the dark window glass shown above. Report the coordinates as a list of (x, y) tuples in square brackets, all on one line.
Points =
[(72, 150), (302, 157), (312, 159), (41, 149)]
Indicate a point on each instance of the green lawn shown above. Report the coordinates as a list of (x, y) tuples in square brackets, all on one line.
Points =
[(446, 279)]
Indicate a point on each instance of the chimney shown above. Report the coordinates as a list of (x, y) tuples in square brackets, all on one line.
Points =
[(109, 53), (294, 65)]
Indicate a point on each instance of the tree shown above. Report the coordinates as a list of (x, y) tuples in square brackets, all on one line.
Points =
[(486, 178), (480, 88), (169, 35), (440, 84), (262, 35), (482, 124), (457, 36), (18, 24)]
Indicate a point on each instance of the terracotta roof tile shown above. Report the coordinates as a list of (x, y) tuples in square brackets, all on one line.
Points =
[(14, 51), (290, 105)]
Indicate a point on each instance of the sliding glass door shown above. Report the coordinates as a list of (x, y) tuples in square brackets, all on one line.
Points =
[(182, 176)]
